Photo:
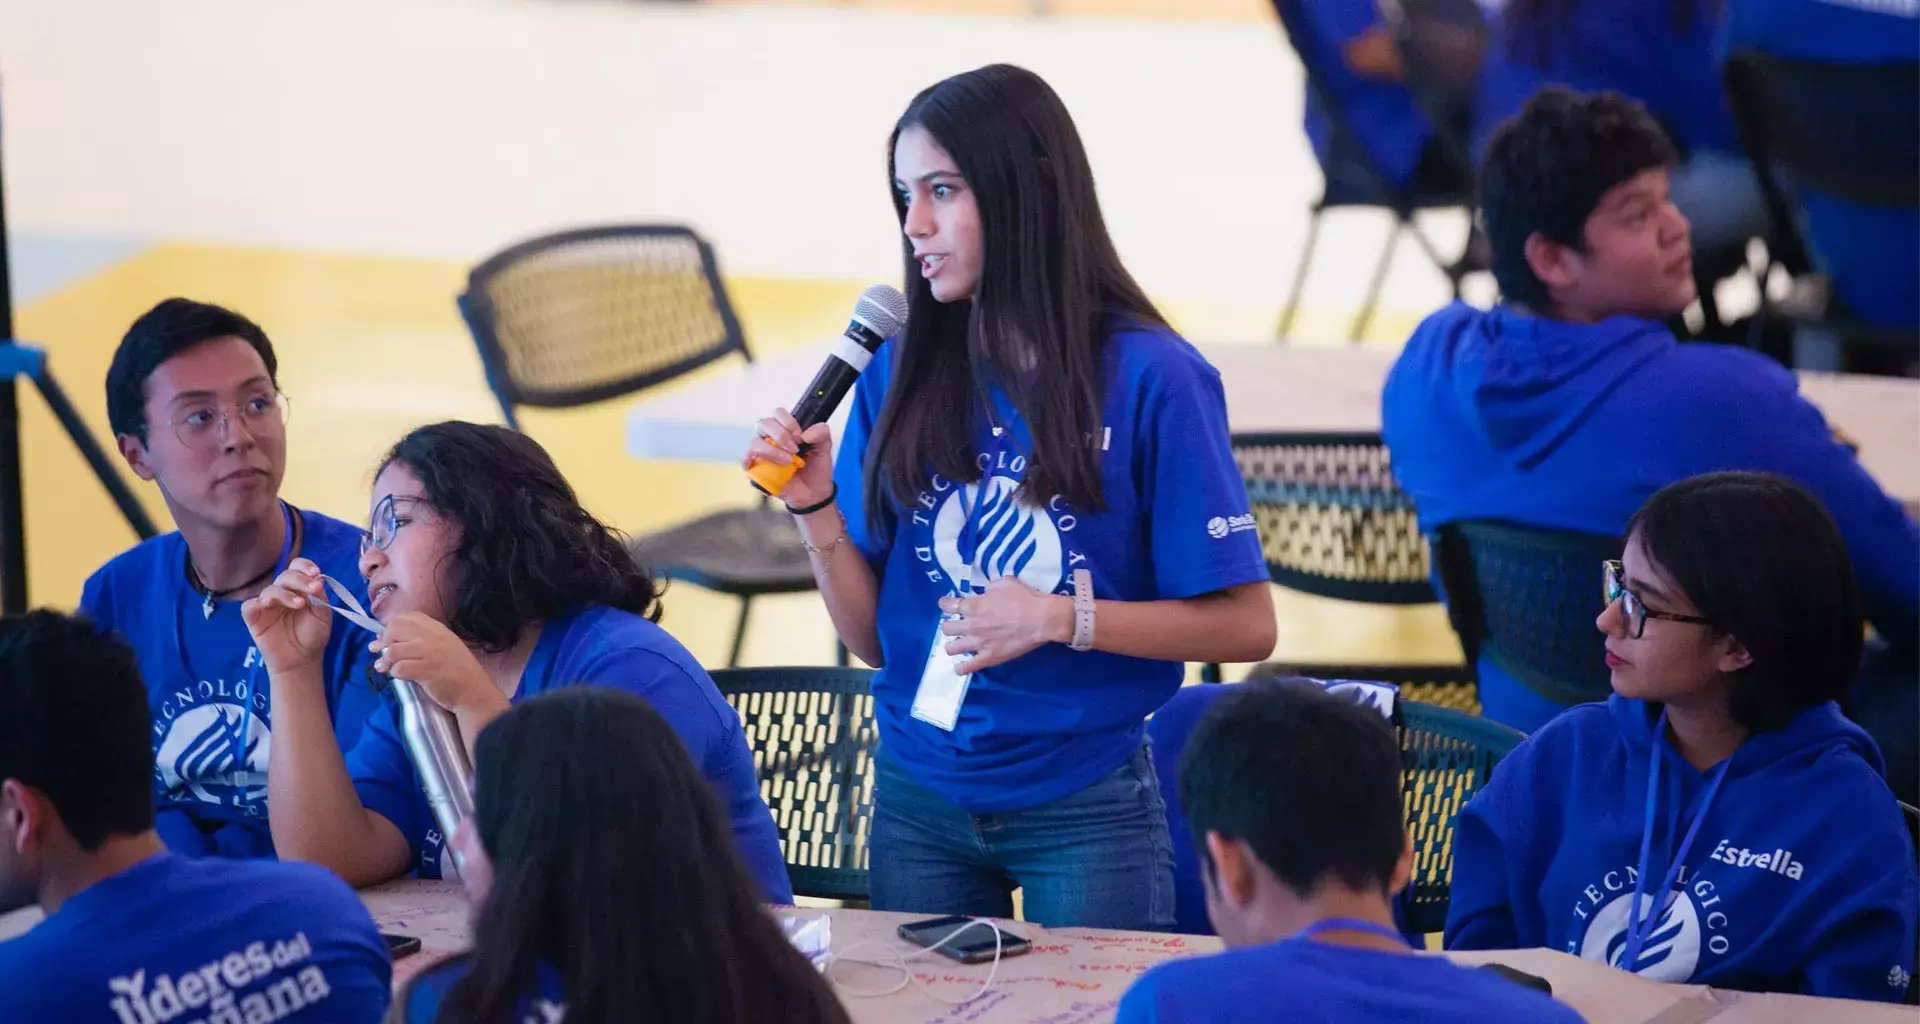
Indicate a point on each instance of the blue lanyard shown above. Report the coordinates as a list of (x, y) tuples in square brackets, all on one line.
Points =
[(1640, 927), (1350, 924), (253, 673)]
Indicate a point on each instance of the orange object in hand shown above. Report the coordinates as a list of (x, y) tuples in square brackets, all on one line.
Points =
[(772, 477)]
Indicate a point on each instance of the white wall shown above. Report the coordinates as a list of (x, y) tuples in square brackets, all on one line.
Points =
[(450, 129)]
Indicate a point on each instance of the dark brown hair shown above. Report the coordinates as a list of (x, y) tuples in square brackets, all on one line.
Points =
[(1049, 278)]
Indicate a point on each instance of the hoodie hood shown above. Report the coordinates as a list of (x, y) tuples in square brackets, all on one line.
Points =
[(1813, 732), (1529, 381)]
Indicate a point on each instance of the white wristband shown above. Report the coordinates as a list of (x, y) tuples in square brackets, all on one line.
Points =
[(1082, 610)]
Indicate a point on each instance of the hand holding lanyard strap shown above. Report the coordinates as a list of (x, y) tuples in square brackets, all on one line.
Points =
[(1641, 926), (431, 734)]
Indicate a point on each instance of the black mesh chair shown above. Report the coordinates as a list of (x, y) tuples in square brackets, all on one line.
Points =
[(1843, 130), (1360, 182), (1526, 598), (584, 316), (813, 739), (1333, 521), (1445, 757)]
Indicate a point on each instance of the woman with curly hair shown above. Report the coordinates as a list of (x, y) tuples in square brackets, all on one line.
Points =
[(493, 585)]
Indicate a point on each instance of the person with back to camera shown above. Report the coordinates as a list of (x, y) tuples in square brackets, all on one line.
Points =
[(1293, 793), (1035, 419), (607, 887), (1716, 821), (136, 933), (492, 585)]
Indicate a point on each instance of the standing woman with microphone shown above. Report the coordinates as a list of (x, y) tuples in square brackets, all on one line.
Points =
[(1035, 521)]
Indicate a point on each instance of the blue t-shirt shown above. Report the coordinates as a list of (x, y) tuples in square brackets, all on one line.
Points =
[(206, 684), (1496, 414), (1381, 113), (1177, 525), (1322, 982), (1800, 878), (544, 1003), (178, 939), (1872, 253), (606, 647), (1635, 47)]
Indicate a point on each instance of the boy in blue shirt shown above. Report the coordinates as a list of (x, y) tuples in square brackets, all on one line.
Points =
[(1568, 405), (1294, 798), (194, 401), (135, 934)]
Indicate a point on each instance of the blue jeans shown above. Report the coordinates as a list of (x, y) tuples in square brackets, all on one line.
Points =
[(1098, 858)]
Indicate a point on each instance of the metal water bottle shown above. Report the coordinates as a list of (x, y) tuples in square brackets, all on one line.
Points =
[(440, 759)]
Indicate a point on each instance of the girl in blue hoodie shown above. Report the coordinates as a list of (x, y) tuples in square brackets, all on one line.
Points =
[(1717, 820)]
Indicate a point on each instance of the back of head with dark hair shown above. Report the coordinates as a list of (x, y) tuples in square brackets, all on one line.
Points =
[(612, 862), (1049, 275), (1546, 169), (1310, 781), (74, 724), (1762, 560), (528, 551), (161, 333)]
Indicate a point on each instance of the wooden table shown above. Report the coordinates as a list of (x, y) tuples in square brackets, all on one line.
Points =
[(1077, 975), (1269, 387)]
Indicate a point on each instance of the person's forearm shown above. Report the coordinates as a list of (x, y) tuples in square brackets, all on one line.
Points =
[(312, 809), (1234, 625), (847, 583)]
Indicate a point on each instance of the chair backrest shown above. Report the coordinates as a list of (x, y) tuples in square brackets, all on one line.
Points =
[(583, 316), (1293, 21), (1843, 129), (813, 739), (1445, 757), (1332, 519), (1442, 44), (1525, 599)]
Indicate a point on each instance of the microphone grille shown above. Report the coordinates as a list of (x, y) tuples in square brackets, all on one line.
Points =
[(882, 308)]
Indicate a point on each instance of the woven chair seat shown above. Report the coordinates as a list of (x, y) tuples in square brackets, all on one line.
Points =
[(738, 551)]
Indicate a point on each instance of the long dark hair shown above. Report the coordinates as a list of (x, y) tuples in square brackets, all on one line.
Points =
[(1049, 274), (1762, 560), (613, 865), (528, 552)]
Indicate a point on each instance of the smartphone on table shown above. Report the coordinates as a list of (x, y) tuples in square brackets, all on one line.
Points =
[(972, 941), (399, 946)]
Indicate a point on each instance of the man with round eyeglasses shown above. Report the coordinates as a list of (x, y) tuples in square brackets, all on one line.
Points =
[(196, 407)]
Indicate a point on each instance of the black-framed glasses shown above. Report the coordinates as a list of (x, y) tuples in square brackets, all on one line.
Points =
[(386, 522), (202, 425), (1614, 576)]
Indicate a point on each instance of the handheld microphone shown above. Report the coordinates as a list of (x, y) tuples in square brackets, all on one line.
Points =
[(876, 317)]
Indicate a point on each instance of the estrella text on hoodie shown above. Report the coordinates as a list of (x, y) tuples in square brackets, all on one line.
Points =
[(1800, 877)]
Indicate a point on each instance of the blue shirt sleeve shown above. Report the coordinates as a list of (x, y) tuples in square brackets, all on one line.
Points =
[(1139, 1005), (1340, 21), (95, 602), (1203, 533), (849, 471), (1781, 432), (383, 775)]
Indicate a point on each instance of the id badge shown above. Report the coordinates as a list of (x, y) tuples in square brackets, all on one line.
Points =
[(942, 688)]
